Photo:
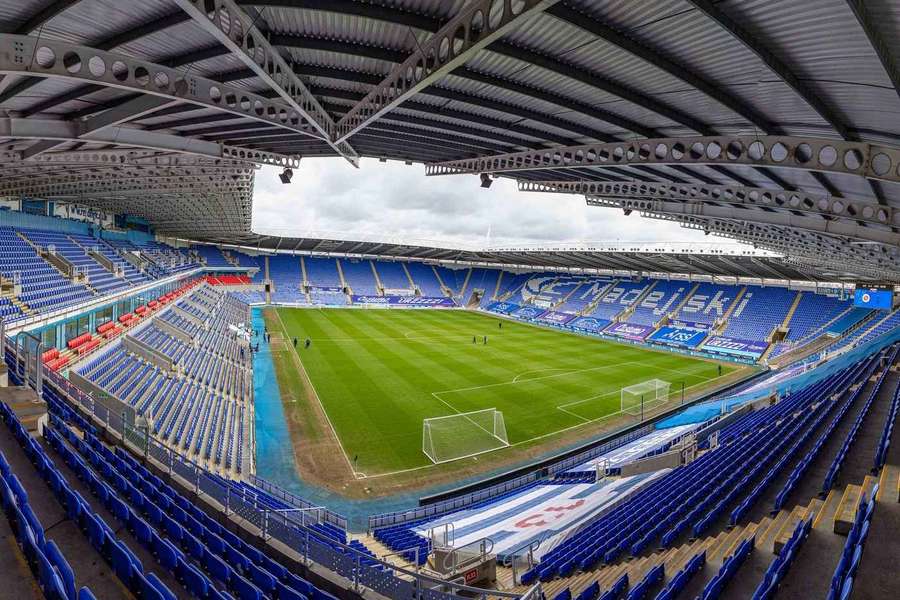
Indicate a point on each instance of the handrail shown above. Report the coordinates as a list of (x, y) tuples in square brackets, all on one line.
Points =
[(300, 538)]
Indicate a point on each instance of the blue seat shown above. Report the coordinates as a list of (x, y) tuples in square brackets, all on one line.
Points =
[(217, 568), (264, 580), (62, 567), (122, 563), (246, 590), (50, 581), (192, 579), (86, 594), (288, 593), (166, 553), (141, 530)]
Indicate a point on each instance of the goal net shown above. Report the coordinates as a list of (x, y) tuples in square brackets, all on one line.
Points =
[(463, 435), (644, 396)]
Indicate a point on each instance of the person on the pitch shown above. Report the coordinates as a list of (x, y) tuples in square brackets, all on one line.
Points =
[(308, 342)]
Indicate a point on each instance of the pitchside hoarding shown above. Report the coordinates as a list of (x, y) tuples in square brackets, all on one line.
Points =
[(589, 324), (677, 336), (503, 308), (629, 331), (423, 301), (555, 318), (736, 347), (528, 312)]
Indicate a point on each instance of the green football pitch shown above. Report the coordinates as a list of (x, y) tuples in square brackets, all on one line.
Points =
[(379, 373)]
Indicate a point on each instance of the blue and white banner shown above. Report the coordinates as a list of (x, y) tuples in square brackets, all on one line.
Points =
[(678, 336), (690, 324), (422, 301), (528, 312), (554, 318), (736, 347), (504, 308), (589, 324), (629, 331)]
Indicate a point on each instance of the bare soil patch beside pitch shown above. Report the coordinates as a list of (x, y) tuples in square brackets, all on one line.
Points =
[(318, 454)]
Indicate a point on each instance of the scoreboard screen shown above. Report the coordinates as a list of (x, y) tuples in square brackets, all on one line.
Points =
[(879, 299)]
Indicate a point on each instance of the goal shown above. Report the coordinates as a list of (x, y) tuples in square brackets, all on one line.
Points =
[(463, 435), (644, 396)]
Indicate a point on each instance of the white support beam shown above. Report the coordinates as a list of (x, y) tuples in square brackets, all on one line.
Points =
[(478, 24), (133, 109), (233, 28)]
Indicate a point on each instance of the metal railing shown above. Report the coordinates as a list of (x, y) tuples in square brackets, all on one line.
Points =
[(360, 569)]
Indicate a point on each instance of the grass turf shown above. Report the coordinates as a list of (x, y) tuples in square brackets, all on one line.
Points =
[(379, 373)]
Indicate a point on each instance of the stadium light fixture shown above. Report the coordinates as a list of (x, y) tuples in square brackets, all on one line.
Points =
[(285, 176), (486, 180)]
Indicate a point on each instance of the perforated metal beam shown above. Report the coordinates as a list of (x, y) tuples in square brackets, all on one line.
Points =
[(39, 129), (736, 211), (478, 24), (61, 60), (758, 199), (233, 28), (809, 154)]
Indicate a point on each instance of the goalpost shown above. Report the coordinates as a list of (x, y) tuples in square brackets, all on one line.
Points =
[(644, 396), (463, 435)]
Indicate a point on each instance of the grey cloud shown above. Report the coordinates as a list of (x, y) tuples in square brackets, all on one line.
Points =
[(393, 200)]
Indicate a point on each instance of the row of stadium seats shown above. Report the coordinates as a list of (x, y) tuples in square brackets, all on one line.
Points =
[(691, 497), (200, 410), (52, 571)]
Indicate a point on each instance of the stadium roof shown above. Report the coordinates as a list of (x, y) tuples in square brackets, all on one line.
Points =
[(707, 260), (773, 122)]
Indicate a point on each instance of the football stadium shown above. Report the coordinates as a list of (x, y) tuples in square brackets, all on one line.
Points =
[(204, 396)]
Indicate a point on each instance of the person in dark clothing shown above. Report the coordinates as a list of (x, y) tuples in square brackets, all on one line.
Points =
[(499, 324), (474, 340), (295, 342), (484, 341), (720, 370), (308, 342)]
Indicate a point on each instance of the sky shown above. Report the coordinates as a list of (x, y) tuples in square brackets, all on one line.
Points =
[(327, 197)]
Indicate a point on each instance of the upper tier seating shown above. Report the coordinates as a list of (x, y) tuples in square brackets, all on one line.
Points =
[(584, 295), (452, 278), (664, 296), (322, 272), (759, 311), (622, 295), (813, 311), (359, 277), (482, 279), (43, 288), (708, 303), (392, 276), (284, 271), (99, 278), (425, 279), (212, 255), (103, 247)]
